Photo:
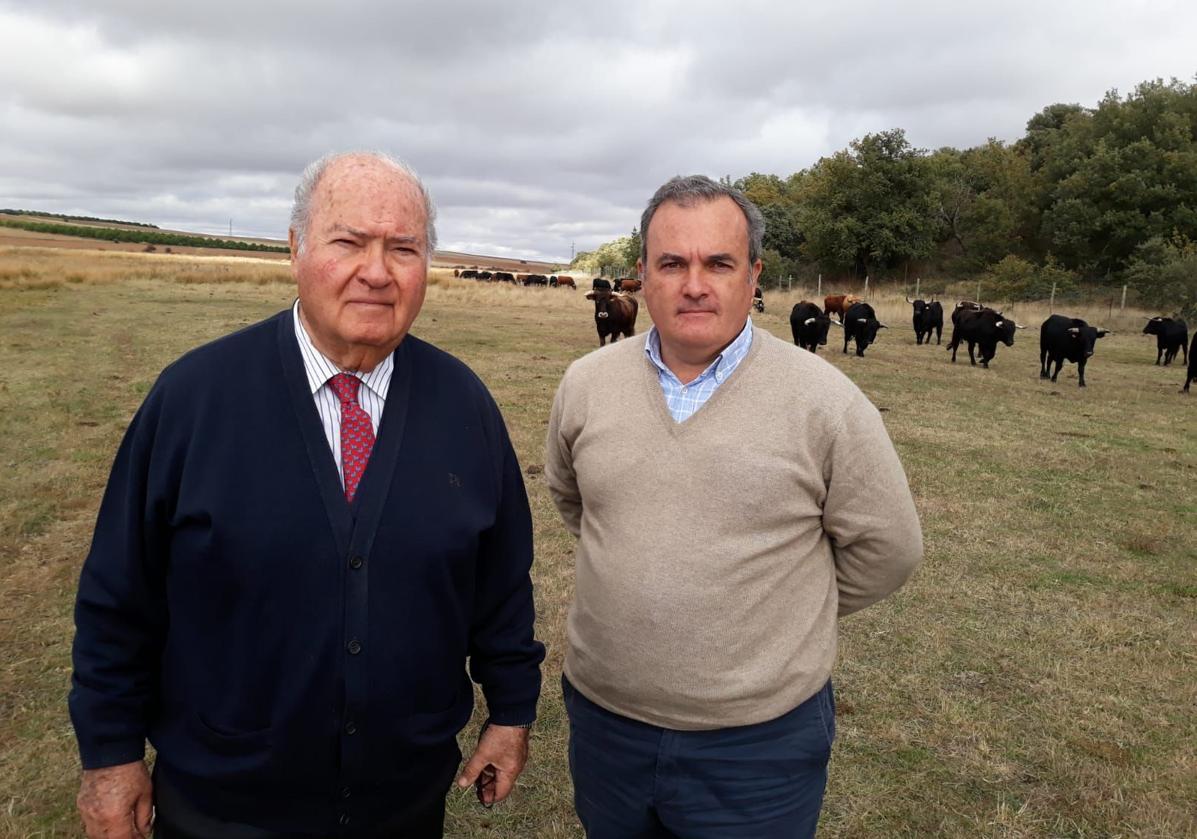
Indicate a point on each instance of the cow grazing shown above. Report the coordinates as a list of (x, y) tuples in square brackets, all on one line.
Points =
[(809, 324), (837, 304), (564, 281), (599, 284), (486, 275), (1171, 336), (1192, 373), (860, 324), (928, 318), (536, 279), (469, 275), (504, 277), (629, 285), (1066, 339), (981, 327), (614, 314)]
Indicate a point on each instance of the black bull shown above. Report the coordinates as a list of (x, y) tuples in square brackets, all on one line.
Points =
[(928, 318), (809, 325), (614, 315), (1066, 339), (982, 328)]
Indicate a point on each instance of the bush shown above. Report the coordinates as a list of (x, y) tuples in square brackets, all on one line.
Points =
[(1015, 279), (1164, 275)]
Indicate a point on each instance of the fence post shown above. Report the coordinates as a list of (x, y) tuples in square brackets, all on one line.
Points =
[(978, 292), (1051, 307), (916, 287), (1123, 306), (820, 291), (866, 288)]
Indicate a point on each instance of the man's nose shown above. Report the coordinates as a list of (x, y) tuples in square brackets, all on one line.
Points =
[(373, 267), (694, 284)]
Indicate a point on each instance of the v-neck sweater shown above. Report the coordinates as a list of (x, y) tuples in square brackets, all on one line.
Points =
[(297, 659), (715, 555)]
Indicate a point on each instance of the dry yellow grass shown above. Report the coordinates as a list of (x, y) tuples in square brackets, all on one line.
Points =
[(1035, 679)]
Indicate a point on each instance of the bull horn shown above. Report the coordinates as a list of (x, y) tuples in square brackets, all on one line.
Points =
[(808, 321), (1075, 330), (1016, 326), (836, 323), (908, 300), (999, 323), (882, 326)]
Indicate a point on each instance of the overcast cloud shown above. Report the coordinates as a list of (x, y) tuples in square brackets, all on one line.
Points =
[(537, 125)]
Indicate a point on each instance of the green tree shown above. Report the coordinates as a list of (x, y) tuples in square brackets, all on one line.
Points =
[(870, 207)]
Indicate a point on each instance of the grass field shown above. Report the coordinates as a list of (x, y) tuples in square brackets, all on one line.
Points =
[(1036, 678)]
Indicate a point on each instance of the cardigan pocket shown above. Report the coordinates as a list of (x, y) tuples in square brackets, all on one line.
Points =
[(243, 750)]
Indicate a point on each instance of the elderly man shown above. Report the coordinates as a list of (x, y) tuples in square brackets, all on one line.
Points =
[(711, 570), (310, 526)]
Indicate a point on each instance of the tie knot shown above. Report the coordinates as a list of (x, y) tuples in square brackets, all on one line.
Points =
[(345, 386)]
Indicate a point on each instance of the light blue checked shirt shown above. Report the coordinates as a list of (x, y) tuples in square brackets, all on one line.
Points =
[(684, 399)]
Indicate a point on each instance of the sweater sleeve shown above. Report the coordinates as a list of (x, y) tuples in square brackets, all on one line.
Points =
[(559, 466), (505, 656), (120, 608), (869, 512)]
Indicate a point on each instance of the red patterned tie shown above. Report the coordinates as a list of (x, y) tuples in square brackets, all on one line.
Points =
[(357, 432)]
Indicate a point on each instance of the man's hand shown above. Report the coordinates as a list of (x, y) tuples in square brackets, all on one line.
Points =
[(116, 802), (500, 756)]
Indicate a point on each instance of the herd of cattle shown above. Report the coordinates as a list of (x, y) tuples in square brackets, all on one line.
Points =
[(515, 279), (1061, 338)]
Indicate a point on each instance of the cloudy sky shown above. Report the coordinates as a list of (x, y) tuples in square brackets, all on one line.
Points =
[(539, 126)]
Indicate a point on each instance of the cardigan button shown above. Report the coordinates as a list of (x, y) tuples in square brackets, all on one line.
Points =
[(354, 647), (345, 819), (356, 562), (350, 728)]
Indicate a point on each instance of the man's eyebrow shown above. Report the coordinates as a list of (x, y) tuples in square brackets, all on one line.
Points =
[(720, 257), (344, 228), (666, 255)]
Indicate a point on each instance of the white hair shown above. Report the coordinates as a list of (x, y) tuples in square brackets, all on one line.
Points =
[(301, 210)]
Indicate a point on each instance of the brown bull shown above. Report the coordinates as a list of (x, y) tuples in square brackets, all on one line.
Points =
[(837, 304), (629, 285), (566, 281), (614, 314)]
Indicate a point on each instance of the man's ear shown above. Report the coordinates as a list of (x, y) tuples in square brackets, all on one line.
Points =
[(757, 267)]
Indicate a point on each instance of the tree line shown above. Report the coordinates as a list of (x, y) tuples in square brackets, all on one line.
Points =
[(1089, 196), (66, 217), (149, 237)]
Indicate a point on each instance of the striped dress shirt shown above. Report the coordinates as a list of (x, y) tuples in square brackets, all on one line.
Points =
[(684, 399), (372, 397)]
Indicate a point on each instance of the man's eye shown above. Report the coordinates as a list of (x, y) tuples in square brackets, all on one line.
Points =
[(344, 242)]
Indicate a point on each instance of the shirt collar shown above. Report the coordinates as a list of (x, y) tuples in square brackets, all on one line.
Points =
[(730, 358), (320, 368)]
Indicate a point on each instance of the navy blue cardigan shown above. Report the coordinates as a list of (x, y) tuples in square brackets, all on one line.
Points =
[(298, 661)]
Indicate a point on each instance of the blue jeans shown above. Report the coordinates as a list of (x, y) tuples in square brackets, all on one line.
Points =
[(637, 781)]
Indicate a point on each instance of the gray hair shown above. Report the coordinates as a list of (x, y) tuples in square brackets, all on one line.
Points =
[(688, 191), (301, 210)]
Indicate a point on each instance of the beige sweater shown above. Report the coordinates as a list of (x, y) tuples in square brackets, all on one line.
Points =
[(714, 555)]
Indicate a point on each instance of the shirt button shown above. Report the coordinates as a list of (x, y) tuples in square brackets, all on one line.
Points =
[(350, 728), (354, 647), (685, 390), (344, 819), (346, 792), (356, 562)]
